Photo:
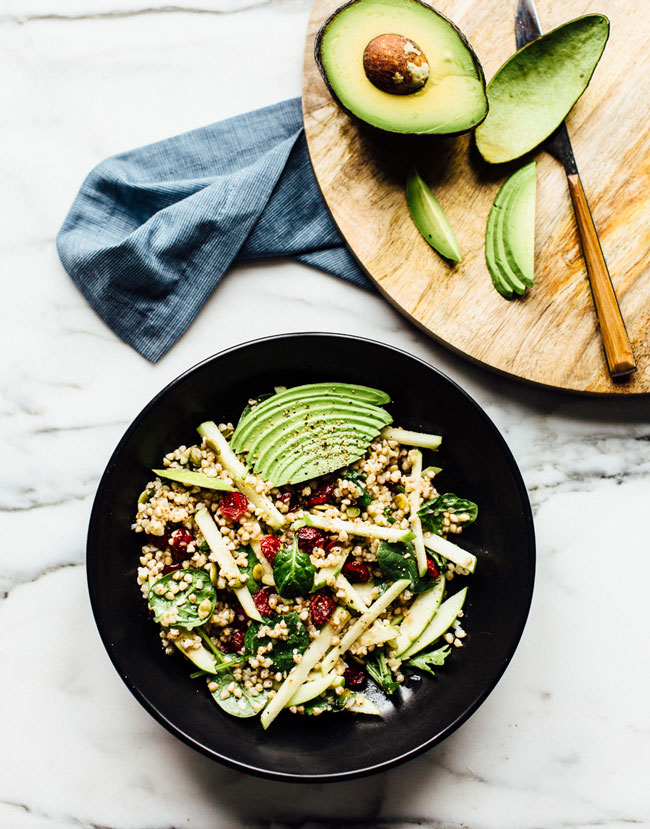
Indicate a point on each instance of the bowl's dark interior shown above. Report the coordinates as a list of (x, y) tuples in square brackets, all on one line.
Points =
[(476, 464)]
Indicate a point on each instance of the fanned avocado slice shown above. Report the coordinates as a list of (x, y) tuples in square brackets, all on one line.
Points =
[(325, 444), (511, 227), (301, 415), (323, 421), (320, 466), (351, 444), (535, 89), (350, 391)]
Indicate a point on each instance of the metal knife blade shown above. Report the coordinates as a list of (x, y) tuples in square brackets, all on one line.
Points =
[(527, 28)]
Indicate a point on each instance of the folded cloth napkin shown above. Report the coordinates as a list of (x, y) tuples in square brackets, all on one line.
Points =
[(152, 231)]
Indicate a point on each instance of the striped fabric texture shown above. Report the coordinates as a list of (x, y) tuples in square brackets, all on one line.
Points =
[(153, 230)]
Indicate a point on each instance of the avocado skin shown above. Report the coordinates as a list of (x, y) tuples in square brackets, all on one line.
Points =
[(319, 63), (531, 56)]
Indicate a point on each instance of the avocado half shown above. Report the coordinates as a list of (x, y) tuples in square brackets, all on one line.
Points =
[(400, 45)]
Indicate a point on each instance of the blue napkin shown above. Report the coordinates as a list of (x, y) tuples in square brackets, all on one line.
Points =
[(152, 231)]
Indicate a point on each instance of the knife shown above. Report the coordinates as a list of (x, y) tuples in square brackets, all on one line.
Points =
[(618, 351)]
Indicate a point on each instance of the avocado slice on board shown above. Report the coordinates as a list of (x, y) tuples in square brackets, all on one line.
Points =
[(535, 89), (510, 234), (401, 66), (429, 217)]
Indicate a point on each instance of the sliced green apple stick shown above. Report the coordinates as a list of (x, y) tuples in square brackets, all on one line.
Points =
[(365, 530), (408, 438), (450, 551), (361, 704), (444, 618), (226, 562), (350, 596), (324, 574), (192, 478), (418, 616), (363, 623), (231, 463), (265, 564), (297, 675), (415, 502), (311, 689)]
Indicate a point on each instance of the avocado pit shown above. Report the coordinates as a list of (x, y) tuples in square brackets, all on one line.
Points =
[(395, 64)]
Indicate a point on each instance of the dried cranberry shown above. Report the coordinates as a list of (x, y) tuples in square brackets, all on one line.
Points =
[(322, 605), (233, 505), (354, 677), (160, 541), (270, 547), (178, 541), (356, 571), (261, 599), (169, 568), (432, 570), (310, 537), (290, 499), (321, 496), (331, 543), (236, 642)]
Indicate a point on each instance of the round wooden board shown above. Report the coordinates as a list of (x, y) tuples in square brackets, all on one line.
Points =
[(551, 335)]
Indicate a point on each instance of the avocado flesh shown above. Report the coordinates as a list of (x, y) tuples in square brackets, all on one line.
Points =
[(351, 391), (348, 445), (348, 437), (301, 414), (349, 441), (533, 92), (452, 99), (321, 466), (510, 235), (429, 217)]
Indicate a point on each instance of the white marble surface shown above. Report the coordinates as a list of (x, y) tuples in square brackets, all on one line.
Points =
[(564, 740)]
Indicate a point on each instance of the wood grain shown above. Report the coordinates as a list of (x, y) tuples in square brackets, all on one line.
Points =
[(550, 336)]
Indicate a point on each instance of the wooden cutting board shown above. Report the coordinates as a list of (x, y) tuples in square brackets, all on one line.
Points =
[(550, 336)]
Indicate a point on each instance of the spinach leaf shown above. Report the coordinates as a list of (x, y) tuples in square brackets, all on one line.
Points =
[(424, 661), (331, 702), (398, 561), (187, 614), (432, 513), (293, 572), (247, 572), (364, 499), (378, 669), (243, 706), (283, 650)]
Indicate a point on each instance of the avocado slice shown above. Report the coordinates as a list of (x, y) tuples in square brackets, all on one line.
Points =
[(430, 218), (401, 66), (356, 394), (510, 235), (535, 89), (284, 470), (305, 418), (324, 427)]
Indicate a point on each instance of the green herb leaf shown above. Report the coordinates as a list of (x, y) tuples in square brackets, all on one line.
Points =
[(186, 612), (424, 661), (283, 650), (293, 572), (243, 706), (364, 499), (378, 669), (432, 513), (389, 515), (398, 561)]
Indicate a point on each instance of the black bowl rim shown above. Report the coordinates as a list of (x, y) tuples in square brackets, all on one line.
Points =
[(245, 767)]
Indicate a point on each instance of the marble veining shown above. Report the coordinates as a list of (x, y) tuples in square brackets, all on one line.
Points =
[(563, 741)]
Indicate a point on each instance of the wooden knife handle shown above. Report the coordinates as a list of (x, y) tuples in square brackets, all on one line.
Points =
[(620, 359)]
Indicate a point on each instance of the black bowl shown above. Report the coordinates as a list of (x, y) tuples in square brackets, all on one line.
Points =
[(477, 465)]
